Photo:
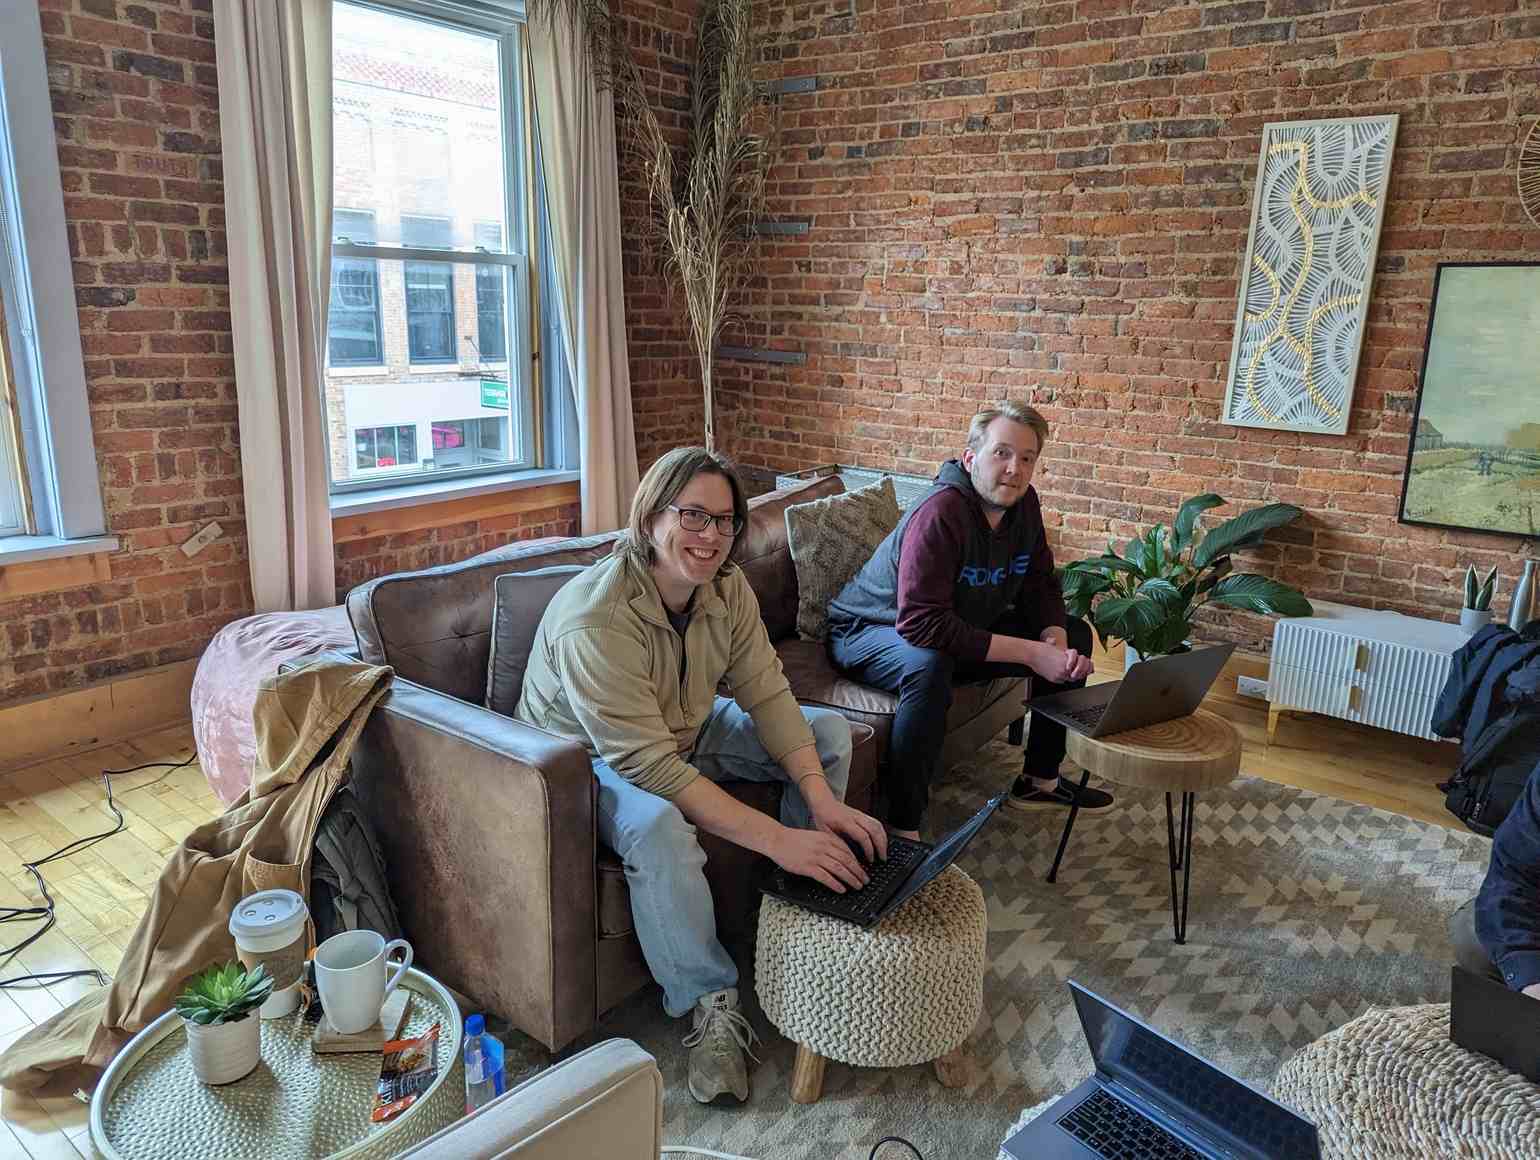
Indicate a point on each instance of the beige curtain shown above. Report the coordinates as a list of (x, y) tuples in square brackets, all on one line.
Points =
[(582, 187), (275, 101)]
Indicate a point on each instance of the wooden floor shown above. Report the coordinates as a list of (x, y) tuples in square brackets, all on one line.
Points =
[(100, 892)]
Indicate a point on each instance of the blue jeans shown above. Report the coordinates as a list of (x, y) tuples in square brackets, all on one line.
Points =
[(665, 866)]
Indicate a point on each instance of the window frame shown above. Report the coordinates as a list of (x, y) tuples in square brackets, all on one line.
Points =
[(499, 286), (504, 22), (452, 357), (56, 457), (379, 320)]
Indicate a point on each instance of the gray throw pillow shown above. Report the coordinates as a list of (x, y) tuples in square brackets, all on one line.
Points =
[(830, 539), (518, 602)]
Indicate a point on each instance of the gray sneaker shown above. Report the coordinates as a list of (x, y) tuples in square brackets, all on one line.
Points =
[(722, 1036)]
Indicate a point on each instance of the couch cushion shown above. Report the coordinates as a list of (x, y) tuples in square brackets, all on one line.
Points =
[(434, 627), (815, 681), (829, 540), (518, 603), (766, 559)]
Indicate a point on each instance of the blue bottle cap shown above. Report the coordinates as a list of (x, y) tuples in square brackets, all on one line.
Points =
[(475, 1025)]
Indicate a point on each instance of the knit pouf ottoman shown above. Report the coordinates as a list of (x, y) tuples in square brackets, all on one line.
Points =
[(1391, 1085), (908, 990)]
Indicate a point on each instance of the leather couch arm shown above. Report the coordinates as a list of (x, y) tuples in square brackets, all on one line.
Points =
[(606, 1101), (487, 828)]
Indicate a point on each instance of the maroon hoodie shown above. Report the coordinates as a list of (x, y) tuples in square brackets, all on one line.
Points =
[(943, 577)]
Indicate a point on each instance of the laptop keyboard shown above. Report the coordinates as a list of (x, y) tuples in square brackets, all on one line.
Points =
[(885, 877), (1087, 717), (1111, 1128)]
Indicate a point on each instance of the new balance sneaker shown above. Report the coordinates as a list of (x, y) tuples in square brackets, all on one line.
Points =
[(1026, 796), (719, 1073)]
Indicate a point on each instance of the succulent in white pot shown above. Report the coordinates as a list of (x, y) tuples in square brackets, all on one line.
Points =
[(218, 1007)]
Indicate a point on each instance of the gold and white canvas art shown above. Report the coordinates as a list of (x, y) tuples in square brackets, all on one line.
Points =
[(1315, 231)]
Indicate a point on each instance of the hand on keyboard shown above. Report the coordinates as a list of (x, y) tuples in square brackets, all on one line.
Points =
[(822, 857)]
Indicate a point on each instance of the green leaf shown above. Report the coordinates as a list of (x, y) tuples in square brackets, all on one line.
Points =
[(1470, 586), (1243, 531), (1488, 590), (1187, 518), (1129, 617), (1155, 540), (1260, 594)]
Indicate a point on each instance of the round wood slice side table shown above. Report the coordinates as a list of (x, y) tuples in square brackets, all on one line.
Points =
[(1185, 756)]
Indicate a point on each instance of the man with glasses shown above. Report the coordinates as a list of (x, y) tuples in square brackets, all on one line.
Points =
[(626, 661), (964, 590)]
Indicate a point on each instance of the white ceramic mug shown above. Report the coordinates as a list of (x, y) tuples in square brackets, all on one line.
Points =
[(350, 975)]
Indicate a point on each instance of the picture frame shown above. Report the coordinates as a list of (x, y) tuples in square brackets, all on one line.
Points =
[(1473, 453), (1316, 213)]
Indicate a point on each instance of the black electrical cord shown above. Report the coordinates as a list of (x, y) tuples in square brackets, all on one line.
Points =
[(894, 1140), (45, 913)]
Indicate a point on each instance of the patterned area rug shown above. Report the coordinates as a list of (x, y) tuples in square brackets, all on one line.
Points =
[(1305, 911)]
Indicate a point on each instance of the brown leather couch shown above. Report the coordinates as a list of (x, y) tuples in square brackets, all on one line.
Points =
[(487, 825)]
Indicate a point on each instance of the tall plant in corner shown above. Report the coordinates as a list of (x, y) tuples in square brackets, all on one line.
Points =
[(706, 198), (1148, 593)]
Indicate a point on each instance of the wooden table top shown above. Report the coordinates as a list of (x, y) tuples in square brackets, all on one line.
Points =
[(1188, 754)]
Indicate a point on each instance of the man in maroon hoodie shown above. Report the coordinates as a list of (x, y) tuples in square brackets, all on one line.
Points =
[(964, 590)]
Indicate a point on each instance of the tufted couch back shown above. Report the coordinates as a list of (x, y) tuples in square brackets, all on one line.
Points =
[(434, 627)]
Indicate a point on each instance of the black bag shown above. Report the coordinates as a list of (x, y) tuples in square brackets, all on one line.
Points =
[(1492, 703), (1492, 774)]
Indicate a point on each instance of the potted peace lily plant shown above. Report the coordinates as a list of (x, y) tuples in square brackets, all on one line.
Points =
[(219, 1009), (1147, 594)]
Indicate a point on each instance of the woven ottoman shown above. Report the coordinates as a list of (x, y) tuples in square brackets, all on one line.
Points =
[(908, 990), (1391, 1086)]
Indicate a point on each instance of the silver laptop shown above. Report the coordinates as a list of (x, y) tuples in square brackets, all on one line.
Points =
[(1156, 690), (1152, 1099)]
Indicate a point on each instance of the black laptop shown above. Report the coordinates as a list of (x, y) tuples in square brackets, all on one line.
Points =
[(1152, 1099), (891, 883), (1487, 1017), (1152, 691)]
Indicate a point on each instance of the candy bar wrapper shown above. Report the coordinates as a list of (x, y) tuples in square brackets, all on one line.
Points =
[(408, 1068)]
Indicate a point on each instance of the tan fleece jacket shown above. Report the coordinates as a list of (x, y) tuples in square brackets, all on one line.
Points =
[(604, 671)]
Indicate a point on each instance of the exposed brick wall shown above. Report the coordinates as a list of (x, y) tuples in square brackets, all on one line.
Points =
[(665, 378), (1051, 202), (137, 119), (136, 108), (360, 560)]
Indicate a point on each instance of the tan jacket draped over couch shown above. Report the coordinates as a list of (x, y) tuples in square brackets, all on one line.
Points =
[(487, 825)]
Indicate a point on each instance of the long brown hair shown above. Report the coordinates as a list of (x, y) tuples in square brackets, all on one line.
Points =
[(661, 486)]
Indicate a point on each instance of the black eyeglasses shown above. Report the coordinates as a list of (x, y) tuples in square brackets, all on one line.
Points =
[(695, 520)]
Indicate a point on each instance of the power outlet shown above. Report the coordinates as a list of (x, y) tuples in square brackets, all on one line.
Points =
[(201, 539), (1251, 687)]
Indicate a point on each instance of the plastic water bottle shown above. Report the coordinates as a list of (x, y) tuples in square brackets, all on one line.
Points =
[(483, 1065)]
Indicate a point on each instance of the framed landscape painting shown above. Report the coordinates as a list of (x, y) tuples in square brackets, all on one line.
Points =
[(1473, 460)]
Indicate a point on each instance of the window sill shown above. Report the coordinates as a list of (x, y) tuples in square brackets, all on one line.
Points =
[(33, 564), (495, 503), (412, 494), (25, 549)]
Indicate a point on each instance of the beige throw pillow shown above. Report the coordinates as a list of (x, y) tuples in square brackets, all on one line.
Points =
[(830, 539)]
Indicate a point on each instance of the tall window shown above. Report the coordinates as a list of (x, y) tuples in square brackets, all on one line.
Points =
[(354, 338), (430, 292), (13, 509), (491, 301), (50, 489), (431, 301)]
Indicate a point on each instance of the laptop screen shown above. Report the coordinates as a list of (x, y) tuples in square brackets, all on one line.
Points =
[(1182, 1084)]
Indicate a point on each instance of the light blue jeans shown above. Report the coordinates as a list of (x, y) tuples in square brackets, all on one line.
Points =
[(665, 866)]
